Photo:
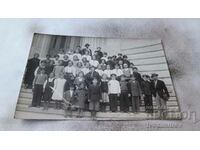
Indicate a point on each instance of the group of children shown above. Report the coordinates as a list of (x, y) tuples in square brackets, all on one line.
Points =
[(78, 81)]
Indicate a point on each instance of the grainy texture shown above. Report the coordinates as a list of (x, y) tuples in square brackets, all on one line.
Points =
[(181, 41)]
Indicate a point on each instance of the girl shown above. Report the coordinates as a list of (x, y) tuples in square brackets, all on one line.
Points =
[(108, 71), (104, 92), (56, 59), (41, 66), (48, 92), (49, 67), (87, 55), (79, 79), (99, 70), (94, 62), (58, 69), (76, 53), (120, 62), (70, 68), (94, 96), (86, 68), (114, 92), (80, 99), (38, 83), (58, 88), (117, 71), (75, 60), (78, 68), (103, 64)]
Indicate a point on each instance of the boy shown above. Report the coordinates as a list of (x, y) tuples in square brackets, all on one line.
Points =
[(147, 93), (135, 91), (126, 61), (38, 83), (124, 100), (110, 62), (114, 92), (94, 97)]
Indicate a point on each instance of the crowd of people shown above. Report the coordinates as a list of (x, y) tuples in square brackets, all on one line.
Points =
[(85, 80)]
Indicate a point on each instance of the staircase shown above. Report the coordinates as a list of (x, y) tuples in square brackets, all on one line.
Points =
[(23, 111)]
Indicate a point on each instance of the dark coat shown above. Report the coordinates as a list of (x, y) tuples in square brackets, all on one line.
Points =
[(94, 93), (138, 77), (146, 88), (160, 88), (89, 77), (134, 88)]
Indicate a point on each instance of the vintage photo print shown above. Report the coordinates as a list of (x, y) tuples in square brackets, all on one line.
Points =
[(97, 78)]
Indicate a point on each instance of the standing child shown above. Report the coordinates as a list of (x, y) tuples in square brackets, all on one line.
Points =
[(99, 70), (57, 96), (124, 100), (135, 90), (80, 98), (38, 83), (114, 92), (147, 89), (70, 68), (48, 92), (56, 59), (127, 71), (94, 95), (58, 69), (108, 71), (104, 92)]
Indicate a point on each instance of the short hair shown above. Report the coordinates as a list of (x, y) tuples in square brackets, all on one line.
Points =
[(125, 56), (119, 54)]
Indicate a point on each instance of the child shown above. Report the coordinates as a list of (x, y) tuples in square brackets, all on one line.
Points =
[(41, 66), (99, 70), (75, 60), (103, 64), (127, 71), (65, 60), (70, 68), (110, 62), (86, 68), (80, 79), (68, 99), (135, 91), (120, 57), (76, 53), (78, 67), (56, 59), (120, 62), (48, 92), (108, 71), (113, 92), (124, 100), (126, 61), (49, 67), (94, 96), (117, 71), (94, 62), (61, 53), (147, 93), (58, 88), (38, 83), (58, 69), (80, 99), (87, 55), (91, 75), (105, 56), (104, 92)]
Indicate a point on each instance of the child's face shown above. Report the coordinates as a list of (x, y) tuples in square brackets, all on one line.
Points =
[(113, 77), (70, 64), (81, 74), (86, 52), (75, 58), (116, 67), (133, 78), (108, 67), (99, 67), (120, 62), (123, 78), (60, 62), (51, 62), (104, 76), (65, 57), (79, 65), (42, 72), (57, 57), (87, 65), (125, 66), (61, 76)]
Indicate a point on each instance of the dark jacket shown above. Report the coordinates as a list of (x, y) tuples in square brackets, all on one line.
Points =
[(146, 87), (94, 93), (89, 77), (134, 88), (160, 88)]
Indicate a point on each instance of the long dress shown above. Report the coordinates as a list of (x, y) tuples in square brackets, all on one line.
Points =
[(58, 89), (48, 91)]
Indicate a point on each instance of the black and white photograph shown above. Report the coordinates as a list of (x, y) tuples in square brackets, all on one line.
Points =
[(97, 78)]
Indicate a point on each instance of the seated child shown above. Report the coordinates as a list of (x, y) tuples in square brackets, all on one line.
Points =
[(78, 67), (120, 62), (105, 56), (48, 90), (77, 54), (80, 79), (75, 60), (61, 53), (56, 59), (103, 64), (126, 61), (94, 62), (65, 60), (86, 68), (94, 96), (87, 56), (120, 57), (117, 71), (113, 92), (110, 62)]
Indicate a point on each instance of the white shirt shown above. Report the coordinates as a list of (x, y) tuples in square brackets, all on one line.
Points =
[(114, 87), (85, 70), (71, 69), (108, 73), (94, 63), (99, 71), (88, 57), (118, 72), (61, 56)]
